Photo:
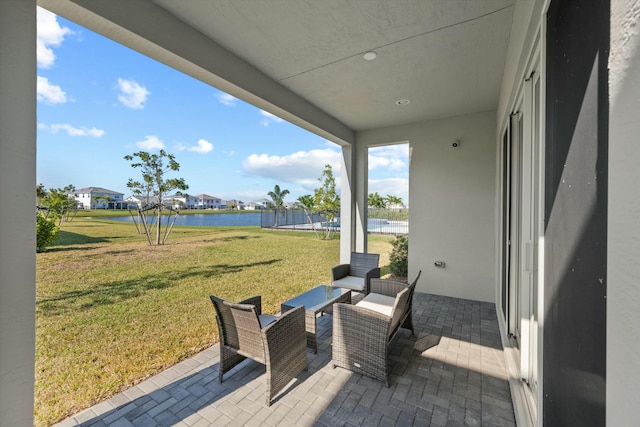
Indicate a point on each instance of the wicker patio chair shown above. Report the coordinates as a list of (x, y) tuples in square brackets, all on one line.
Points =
[(362, 333), (279, 343), (358, 273)]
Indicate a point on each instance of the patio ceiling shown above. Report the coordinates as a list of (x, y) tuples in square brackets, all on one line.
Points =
[(303, 59)]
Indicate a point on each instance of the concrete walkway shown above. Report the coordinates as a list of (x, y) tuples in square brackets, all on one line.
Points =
[(451, 374)]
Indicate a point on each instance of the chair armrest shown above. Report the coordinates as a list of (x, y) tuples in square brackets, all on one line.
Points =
[(387, 287), (285, 347), (339, 271), (359, 327), (291, 325), (256, 301), (360, 340), (374, 273)]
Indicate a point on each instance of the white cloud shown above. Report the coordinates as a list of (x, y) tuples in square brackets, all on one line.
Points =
[(228, 100), (49, 34), (132, 94), (49, 93), (203, 147), (303, 167), (150, 142), (393, 164), (269, 118), (398, 187), (71, 130), (300, 171), (393, 157)]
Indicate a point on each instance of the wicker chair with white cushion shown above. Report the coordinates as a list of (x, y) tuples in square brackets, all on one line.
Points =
[(363, 332), (356, 275)]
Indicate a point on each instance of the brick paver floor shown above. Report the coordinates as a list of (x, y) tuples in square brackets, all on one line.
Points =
[(451, 373)]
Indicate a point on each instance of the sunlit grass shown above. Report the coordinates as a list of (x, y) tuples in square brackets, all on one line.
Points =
[(111, 310)]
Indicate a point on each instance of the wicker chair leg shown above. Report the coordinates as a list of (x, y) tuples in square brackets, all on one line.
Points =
[(228, 360), (408, 324)]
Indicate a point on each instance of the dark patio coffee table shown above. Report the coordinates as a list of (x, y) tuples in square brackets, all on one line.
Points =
[(315, 301)]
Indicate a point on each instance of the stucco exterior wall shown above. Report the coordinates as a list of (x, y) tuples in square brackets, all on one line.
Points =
[(623, 268), (17, 216), (452, 192)]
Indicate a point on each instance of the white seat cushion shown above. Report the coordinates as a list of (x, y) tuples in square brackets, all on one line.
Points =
[(266, 319), (350, 282), (379, 303)]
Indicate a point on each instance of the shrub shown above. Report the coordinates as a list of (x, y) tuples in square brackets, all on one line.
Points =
[(46, 233), (399, 258)]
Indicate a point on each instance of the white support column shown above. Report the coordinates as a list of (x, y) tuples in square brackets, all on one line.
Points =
[(17, 210), (353, 201), (623, 234), (361, 196), (347, 236)]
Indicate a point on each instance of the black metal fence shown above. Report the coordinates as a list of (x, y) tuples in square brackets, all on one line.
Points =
[(381, 221), (294, 219), (388, 221)]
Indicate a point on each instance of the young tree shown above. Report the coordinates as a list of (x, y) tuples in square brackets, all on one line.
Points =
[(326, 200), (154, 168), (59, 203), (277, 196), (306, 202), (41, 193)]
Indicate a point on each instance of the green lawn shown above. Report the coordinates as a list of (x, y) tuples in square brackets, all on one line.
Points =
[(112, 311)]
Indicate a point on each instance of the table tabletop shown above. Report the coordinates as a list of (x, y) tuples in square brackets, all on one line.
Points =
[(317, 298)]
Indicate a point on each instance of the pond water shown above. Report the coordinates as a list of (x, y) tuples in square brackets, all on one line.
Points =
[(212, 220), (381, 226)]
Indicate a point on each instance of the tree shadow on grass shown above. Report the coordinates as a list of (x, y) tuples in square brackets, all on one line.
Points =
[(68, 249), (113, 292), (66, 238), (232, 238)]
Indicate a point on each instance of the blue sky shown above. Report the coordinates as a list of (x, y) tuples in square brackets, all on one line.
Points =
[(99, 101)]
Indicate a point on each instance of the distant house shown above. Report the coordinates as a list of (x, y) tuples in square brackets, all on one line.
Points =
[(396, 206), (254, 206), (181, 201), (205, 201), (98, 198), (141, 201), (232, 204), (259, 204)]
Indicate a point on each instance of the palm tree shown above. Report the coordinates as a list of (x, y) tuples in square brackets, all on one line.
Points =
[(393, 200), (277, 196), (376, 201)]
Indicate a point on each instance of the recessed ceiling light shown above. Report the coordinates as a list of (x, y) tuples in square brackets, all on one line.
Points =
[(370, 56), (402, 102)]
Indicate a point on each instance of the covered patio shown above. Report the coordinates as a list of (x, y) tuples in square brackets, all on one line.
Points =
[(452, 373), (521, 117)]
